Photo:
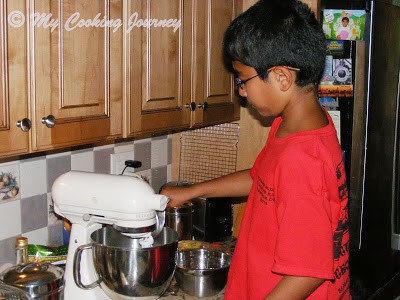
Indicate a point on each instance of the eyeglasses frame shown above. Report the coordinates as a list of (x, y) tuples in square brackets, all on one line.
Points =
[(240, 83)]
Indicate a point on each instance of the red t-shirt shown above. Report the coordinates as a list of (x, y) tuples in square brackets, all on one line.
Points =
[(296, 219)]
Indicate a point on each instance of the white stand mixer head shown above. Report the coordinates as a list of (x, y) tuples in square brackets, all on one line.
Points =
[(88, 200), (128, 202)]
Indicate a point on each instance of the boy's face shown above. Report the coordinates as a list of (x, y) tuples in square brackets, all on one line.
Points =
[(345, 23), (263, 95)]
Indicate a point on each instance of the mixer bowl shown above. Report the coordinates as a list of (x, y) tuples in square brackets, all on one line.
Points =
[(126, 269)]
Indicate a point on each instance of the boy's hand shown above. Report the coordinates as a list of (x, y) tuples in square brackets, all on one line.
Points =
[(237, 184), (177, 194)]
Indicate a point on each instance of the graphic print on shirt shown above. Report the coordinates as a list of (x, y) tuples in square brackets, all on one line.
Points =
[(343, 226), (266, 193), (341, 235)]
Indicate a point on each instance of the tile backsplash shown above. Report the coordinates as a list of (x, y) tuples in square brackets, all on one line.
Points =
[(25, 186)]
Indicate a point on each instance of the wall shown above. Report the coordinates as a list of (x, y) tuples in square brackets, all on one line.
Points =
[(29, 212)]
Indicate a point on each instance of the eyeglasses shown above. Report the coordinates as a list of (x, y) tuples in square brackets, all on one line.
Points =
[(240, 83)]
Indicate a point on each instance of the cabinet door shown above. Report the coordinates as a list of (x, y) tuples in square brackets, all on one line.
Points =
[(214, 84), (13, 80), (76, 72), (159, 65)]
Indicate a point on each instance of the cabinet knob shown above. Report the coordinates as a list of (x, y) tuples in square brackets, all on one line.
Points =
[(191, 106), (203, 105), (49, 121), (24, 124)]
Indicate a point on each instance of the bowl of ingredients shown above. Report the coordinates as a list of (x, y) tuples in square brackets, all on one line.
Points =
[(202, 272)]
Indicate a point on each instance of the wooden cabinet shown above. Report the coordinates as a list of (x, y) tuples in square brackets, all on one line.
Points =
[(13, 81), (75, 73), (214, 84), (159, 75), (59, 74), (176, 79), (69, 79)]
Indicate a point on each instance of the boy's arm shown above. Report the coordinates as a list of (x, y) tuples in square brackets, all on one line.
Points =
[(294, 288), (237, 184)]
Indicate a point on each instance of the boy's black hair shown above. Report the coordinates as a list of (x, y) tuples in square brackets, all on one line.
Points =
[(277, 33), (345, 18)]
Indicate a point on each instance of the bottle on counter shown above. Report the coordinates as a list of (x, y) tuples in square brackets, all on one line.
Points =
[(36, 280), (8, 291), (21, 247)]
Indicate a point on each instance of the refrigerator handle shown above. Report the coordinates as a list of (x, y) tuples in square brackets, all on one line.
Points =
[(395, 221)]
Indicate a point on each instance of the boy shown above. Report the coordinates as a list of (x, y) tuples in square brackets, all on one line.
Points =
[(293, 240), (344, 30)]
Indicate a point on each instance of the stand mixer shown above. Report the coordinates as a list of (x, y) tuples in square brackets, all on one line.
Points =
[(89, 200)]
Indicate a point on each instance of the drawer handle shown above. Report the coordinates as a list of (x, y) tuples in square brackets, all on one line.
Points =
[(191, 106), (203, 105), (25, 124), (49, 121)]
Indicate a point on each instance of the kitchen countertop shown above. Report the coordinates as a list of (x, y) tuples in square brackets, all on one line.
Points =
[(183, 296), (175, 293)]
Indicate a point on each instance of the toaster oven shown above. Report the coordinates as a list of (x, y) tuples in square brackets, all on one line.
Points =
[(212, 219)]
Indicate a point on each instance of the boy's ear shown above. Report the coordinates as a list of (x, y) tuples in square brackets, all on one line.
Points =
[(284, 77)]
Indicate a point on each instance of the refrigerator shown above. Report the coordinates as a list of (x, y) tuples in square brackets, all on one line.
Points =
[(370, 134)]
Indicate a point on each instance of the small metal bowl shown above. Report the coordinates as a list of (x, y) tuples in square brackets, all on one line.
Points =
[(202, 272)]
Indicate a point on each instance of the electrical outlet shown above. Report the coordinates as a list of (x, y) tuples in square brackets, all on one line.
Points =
[(117, 162)]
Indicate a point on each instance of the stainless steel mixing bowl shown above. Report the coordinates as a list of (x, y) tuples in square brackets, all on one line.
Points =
[(124, 268), (202, 272)]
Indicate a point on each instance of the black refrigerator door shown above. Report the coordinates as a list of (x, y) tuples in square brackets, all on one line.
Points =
[(375, 266)]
